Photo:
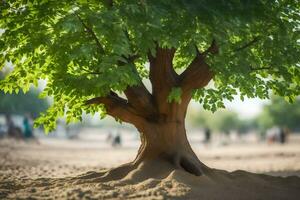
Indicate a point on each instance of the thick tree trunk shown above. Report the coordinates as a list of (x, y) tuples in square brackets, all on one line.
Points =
[(167, 142)]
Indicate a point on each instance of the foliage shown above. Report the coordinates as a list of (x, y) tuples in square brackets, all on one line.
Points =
[(76, 46), (221, 121), (22, 103), (175, 95), (280, 113)]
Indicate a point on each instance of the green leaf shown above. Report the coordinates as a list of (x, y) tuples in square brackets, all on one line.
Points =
[(175, 95)]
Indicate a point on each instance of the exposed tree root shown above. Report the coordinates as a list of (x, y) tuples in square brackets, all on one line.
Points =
[(108, 175), (117, 173), (141, 170), (190, 166)]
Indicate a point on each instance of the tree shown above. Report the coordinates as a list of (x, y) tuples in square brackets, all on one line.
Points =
[(227, 122), (91, 53), (222, 121), (280, 113), (22, 103)]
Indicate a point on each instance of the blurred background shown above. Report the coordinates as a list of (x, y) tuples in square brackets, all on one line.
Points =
[(261, 136)]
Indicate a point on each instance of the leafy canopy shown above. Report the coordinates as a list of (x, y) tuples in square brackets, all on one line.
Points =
[(76, 46)]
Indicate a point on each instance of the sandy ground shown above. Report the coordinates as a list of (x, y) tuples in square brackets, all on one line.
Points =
[(71, 169)]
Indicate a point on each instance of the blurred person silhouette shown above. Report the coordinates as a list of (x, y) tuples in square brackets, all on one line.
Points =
[(207, 134), (27, 127), (117, 140), (283, 135)]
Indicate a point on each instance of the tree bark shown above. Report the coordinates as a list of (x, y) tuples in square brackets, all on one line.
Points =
[(168, 142), (119, 108), (162, 77)]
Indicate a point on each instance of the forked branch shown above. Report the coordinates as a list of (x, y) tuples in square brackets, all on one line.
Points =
[(161, 66), (255, 39), (198, 73), (141, 99), (117, 107), (162, 74)]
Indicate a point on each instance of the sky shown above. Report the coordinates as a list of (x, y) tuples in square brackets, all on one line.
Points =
[(246, 109)]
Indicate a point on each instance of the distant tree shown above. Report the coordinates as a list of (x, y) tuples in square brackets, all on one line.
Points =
[(227, 122), (280, 113), (92, 52), (246, 125), (21, 103), (221, 121)]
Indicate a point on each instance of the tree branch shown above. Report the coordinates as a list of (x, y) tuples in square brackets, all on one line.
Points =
[(198, 74), (130, 58), (141, 99), (213, 49), (92, 35), (260, 68), (255, 39), (138, 96), (118, 107), (90, 72), (162, 75), (161, 67)]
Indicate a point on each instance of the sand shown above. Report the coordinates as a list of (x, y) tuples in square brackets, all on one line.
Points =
[(64, 169)]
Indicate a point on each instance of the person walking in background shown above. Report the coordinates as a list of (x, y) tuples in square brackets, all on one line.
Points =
[(28, 130), (207, 134), (283, 135), (117, 140)]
